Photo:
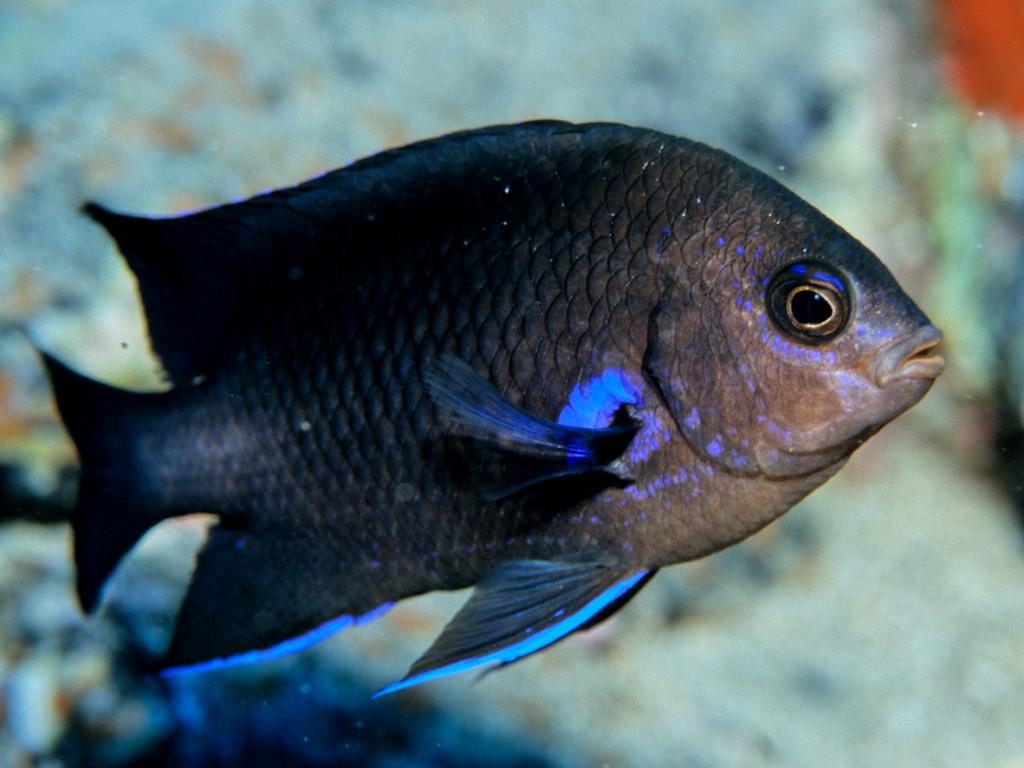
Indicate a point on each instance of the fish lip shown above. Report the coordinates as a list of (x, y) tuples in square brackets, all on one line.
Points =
[(907, 358)]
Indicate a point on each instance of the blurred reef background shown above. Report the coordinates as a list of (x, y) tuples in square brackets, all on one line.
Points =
[(880, 623)]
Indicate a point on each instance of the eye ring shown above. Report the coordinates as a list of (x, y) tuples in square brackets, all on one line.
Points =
[(809, 301)]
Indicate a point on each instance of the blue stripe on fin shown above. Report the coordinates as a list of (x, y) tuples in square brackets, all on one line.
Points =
[(532, 642), (289, 646)]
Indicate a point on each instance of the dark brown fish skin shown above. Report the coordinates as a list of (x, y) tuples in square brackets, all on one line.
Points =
[(540, 254)]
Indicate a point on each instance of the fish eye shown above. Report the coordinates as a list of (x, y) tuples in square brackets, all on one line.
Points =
[(808, 300)]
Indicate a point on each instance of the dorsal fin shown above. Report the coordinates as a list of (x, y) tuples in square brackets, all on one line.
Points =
[(199, 273), (196, 272)]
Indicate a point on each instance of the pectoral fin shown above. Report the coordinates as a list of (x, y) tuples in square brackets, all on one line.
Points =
[(544, 449), (521, 608)]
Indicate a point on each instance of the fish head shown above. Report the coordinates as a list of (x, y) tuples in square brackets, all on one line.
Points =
[(780, 355)]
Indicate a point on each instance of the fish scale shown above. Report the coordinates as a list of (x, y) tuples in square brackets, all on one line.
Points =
[(526, 358)]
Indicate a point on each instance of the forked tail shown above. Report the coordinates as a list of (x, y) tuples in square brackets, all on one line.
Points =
[(114, 509)]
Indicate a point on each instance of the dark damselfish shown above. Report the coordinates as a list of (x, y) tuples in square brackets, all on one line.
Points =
[(543, 360)]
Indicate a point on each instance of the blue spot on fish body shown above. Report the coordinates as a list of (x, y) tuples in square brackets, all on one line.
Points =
[(593, 403), (833, 281), (618, 387), (651, 437), (714, 448), (692, 419)]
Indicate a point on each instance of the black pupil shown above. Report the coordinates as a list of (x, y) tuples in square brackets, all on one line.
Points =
[(810, 308)]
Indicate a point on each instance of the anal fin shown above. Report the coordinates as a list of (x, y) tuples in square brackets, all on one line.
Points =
[(260, 595), (521, 608)]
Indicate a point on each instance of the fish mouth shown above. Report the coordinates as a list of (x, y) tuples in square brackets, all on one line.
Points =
[(910, 358)]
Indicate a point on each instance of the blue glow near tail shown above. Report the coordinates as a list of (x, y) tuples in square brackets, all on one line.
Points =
[(531, 643), (289, 646)]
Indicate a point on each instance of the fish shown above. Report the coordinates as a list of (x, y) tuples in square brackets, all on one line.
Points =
[(541, 360)]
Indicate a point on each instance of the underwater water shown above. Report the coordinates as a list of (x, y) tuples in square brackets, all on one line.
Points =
[(881, 622)]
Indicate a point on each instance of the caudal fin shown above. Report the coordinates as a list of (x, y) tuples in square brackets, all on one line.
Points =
[(113, 510)]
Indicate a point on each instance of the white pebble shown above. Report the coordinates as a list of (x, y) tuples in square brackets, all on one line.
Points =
[(34, 716)]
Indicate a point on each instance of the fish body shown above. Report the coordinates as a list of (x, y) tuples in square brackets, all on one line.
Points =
[(544, 359)]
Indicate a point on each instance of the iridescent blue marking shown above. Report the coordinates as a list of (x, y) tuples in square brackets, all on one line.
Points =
[(848, 380), (532, 644), (835, 282), (289, 646), (799, 269), (577, 451), (795, 352), (739, 250), (593, 403), (692, 419), (721, 242), (714, 448), (663, 240), (650, 438)]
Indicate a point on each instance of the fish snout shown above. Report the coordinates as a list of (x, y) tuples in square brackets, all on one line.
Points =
[(911, 357)]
